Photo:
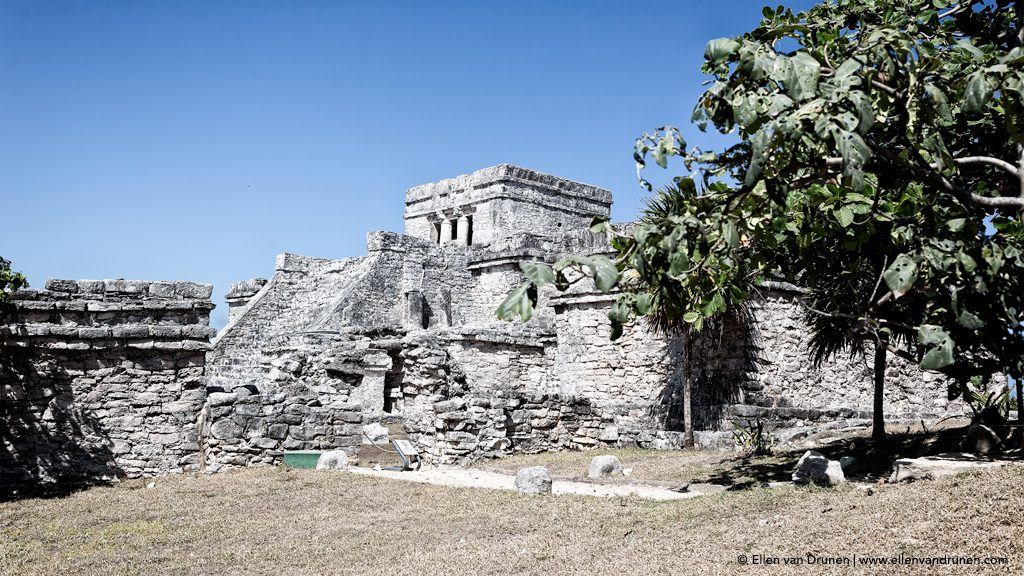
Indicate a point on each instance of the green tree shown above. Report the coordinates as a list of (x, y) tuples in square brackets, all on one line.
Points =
[(10, 281), (876, 139)]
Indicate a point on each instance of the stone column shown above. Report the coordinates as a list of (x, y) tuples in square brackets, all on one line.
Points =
[(446, 231), (463, 230)]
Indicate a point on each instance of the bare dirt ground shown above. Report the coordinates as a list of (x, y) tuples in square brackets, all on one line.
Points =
[(275, 521)]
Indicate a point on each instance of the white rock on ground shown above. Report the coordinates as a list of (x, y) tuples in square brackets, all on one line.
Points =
[(533, 480), (932, 467), (815, 467), (333, 460), (375, 433), (603, 466)]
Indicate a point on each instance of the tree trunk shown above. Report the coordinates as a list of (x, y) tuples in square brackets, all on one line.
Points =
[(1020, 403), (878, 416), (687, 391), (1019, 6)]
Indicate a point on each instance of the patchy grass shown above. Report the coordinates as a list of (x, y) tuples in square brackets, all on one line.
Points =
[(671, 466), (274, 521), (875, 459)]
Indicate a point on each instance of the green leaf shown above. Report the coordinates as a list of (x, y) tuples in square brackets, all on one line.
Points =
[(939, 101), (720, 48), (802, 77), (642, 305), (619, 312), (970, 321), (518, 304), (599, 224), (967, 262), (718, 301), (901, 275), (956, 224), (606, 275), (680, 262), (977, 93), (537, 272), (941, 353), (845, 216), (730, 234), (970, 48), (691, 317)]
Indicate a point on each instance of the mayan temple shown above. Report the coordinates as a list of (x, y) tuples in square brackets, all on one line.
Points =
[(120, 377)]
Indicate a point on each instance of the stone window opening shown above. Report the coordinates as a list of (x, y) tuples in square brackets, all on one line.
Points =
[(469, 230), (435, 232)]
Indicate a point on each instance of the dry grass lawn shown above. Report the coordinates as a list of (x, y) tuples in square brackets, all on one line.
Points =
[(667, 466), (274, 521)]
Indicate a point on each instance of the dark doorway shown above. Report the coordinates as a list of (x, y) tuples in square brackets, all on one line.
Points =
[(393, 385)]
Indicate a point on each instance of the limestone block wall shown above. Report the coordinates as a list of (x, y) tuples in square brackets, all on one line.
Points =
[(311, 392), (467, 400), (752, 366), (503, 200), (455, 420), (784, 381), (101, 379), (301, 291)]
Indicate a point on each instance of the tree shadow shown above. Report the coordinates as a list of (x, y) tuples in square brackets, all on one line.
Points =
[(874, 458), (49, 445), (721, 357)]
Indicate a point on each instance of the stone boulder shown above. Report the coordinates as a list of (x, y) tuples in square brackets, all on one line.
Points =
[(814, 467), (333, 460), (980, 439), (604, 466), (375, 433), (533, 480), (932, 467)]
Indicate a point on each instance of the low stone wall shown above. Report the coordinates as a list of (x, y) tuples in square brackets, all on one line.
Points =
[(101, 379), (310, 392)]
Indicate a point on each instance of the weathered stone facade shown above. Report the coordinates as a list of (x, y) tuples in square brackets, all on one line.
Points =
[(102, 379), (413, 323), (117, 378)]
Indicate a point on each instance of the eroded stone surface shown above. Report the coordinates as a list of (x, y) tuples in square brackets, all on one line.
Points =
[(533, 480), (932, 467), (327, 348), (332, 460), (814, 467), (102, 379), (604, 466)]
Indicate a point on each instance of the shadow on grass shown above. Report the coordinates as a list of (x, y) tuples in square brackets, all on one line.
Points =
[(874, 458)]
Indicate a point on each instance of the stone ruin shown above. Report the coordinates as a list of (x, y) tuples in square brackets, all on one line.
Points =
[(119, 378)]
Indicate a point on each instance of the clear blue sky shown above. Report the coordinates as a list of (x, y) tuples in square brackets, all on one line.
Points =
[(196, 140)]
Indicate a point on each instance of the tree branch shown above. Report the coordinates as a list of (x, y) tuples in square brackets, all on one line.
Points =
[(881, 274), (883, 87), (1010, 168), (901, 353), (933, 178), (954, 9)]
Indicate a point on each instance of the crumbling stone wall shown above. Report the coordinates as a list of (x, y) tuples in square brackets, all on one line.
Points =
[(755, 365), (454, 421), (311, 392), (101, 379), (422, 306)]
